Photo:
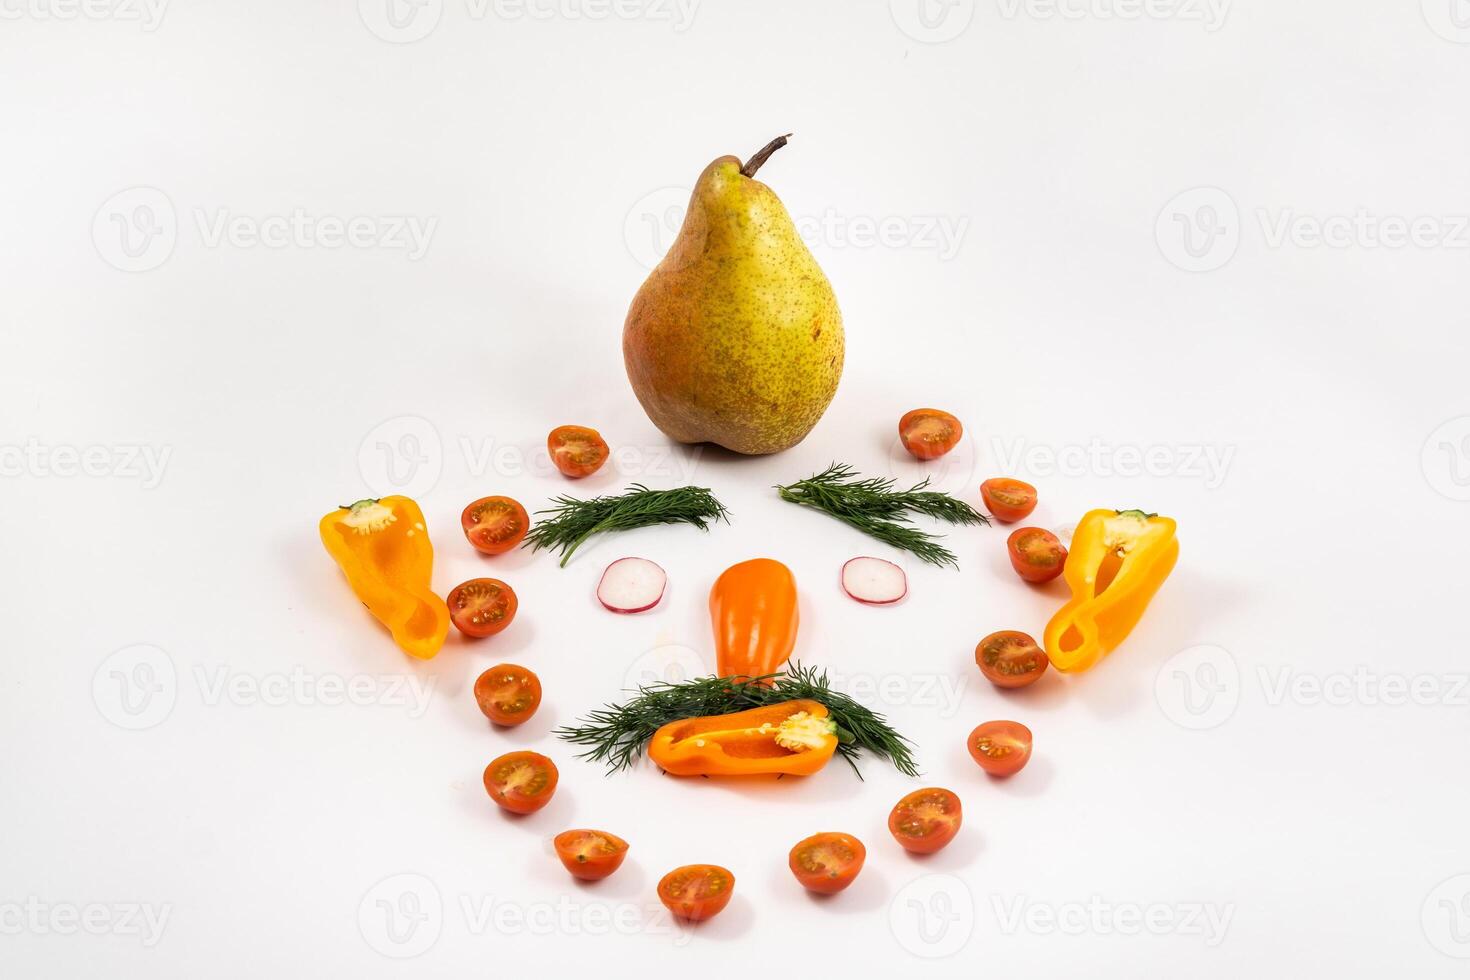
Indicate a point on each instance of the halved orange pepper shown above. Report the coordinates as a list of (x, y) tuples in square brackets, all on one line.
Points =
[(383, 548), (793, 737), (1117, 561), (753, 608)]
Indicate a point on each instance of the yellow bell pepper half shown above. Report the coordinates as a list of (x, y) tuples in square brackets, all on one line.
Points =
[(383, 548), (1117, 561)]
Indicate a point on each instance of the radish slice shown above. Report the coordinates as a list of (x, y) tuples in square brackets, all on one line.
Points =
[(631, 585), (874, 581)]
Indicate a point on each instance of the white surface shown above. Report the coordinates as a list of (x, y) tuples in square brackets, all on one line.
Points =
[(547, 150)]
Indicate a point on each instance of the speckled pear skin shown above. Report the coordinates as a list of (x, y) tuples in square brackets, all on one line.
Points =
[(735, 338)]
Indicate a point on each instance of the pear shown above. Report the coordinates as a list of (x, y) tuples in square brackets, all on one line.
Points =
[(735, 338)]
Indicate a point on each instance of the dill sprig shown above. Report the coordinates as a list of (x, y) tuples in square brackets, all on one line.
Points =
[(874, 507), (574, 521), (617, 733)]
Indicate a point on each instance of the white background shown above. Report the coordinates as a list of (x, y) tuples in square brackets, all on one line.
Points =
[(1250, 753)]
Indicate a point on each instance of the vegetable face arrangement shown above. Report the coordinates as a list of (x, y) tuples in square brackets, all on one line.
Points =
[(703, 334)]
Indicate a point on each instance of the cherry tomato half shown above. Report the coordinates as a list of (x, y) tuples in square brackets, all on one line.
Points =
[(508, 694), (576, 450), (494, 525), (590, 855), (1036, 554), (481, 606), (1007, 500), (928, 433), (696, 892), (1010, 658), (521, 782), (925, 820), (827, 863), (1001, 748)]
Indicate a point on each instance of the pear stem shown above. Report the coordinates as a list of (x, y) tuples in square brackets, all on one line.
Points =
[(763, 154)]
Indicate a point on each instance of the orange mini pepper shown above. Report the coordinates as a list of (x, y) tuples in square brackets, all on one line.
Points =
[(793, 737), (1117, 561), (383, 548), (753, 609)]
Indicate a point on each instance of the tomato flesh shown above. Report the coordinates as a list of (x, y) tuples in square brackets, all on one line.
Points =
[(494, 525), (576, 450), (925, 820), (928, 433), (827, 863), (1008, 500), (508, 694), (482, 606), (590, 855), (1036, 554), (521, 782), (1010, 659), (696, 892), (1001, 748)]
